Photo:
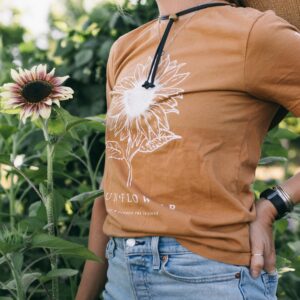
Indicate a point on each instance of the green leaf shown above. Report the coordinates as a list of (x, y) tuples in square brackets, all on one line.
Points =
[(82, 253), (65, 49), (77, 122), (48, 241), (275, 150), (281, 225), (100, 119), (37, 209), (71, 121), (62, 150), (38, 123), (295, 247), (272, 159), (27, 280), (63, 272), (56, 126), (113, 20), (283, 133), (74, 134), (86, 196), (283, 264), (67, 117), (10, 111), (83, 57), (32, 223), (6, 131), (62, 247), (2, 260), (105, 48), (7, 247), (17, 259), (58, 204)]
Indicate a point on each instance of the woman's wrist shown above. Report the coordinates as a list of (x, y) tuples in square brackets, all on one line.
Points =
[(266, 210), (289, 189), (292, 187)]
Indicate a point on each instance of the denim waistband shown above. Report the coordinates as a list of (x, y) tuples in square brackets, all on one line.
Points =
[(148, 245)]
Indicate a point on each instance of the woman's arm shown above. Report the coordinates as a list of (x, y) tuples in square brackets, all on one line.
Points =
[(261, 229), (292, 187), (94, 274)]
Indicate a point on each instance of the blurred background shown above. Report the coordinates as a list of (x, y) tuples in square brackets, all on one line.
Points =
[(75, 37)]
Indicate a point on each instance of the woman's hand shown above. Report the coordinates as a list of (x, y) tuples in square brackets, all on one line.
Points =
[(261, 229), (261, 238)]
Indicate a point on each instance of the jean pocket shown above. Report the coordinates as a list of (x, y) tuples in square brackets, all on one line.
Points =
[(191, 267), (271, 282)]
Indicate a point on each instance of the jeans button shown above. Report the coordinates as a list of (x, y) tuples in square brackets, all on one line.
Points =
[(130, 242)]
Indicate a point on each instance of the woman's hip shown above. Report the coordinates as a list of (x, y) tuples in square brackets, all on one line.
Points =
[(156, 267)]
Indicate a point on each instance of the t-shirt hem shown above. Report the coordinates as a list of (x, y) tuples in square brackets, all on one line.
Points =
[(229, 257)]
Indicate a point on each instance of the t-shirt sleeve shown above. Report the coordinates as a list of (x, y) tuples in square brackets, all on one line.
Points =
[(110, 81), (272, 62)]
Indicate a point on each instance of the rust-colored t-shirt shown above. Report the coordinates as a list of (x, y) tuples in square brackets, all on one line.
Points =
[(181, 157)]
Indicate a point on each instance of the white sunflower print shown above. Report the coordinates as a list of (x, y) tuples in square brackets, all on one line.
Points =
[(138, 116)]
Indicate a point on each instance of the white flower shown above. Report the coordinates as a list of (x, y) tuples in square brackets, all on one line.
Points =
[(138, 116), (18, 161)]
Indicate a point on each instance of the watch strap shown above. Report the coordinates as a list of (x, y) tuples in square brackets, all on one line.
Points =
[(273, 196)]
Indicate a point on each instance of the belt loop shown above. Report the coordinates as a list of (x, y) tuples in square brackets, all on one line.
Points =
[(155, 252), (111, 247)]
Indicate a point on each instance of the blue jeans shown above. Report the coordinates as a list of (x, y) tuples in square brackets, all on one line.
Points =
[(160, 268)]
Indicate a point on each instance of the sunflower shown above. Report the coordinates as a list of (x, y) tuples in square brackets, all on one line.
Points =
[(136, 113), (34, 91)]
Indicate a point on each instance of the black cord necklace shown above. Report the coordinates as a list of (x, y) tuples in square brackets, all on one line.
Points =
[(172, 18)]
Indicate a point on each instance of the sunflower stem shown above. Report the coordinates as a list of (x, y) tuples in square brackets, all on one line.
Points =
[(88, 160), (11, 203), (12, 198), (50, 206)]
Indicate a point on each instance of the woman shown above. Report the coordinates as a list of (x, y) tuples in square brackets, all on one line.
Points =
[(185, 124)]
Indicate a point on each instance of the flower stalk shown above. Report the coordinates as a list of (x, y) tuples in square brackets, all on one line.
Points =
[(50, 205)]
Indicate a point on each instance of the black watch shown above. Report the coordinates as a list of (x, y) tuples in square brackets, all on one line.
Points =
[(273, 196)]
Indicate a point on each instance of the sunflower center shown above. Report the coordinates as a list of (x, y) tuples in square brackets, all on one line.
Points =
[(36, 91), (134, 107)]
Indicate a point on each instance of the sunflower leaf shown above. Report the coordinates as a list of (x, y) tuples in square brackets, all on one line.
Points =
[(66, 117), (63, 247), (86, 196), (63, 272), (56, 126), (83, 57), (271, 159)]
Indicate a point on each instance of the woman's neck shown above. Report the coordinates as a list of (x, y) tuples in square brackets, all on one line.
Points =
[(167, 7)]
